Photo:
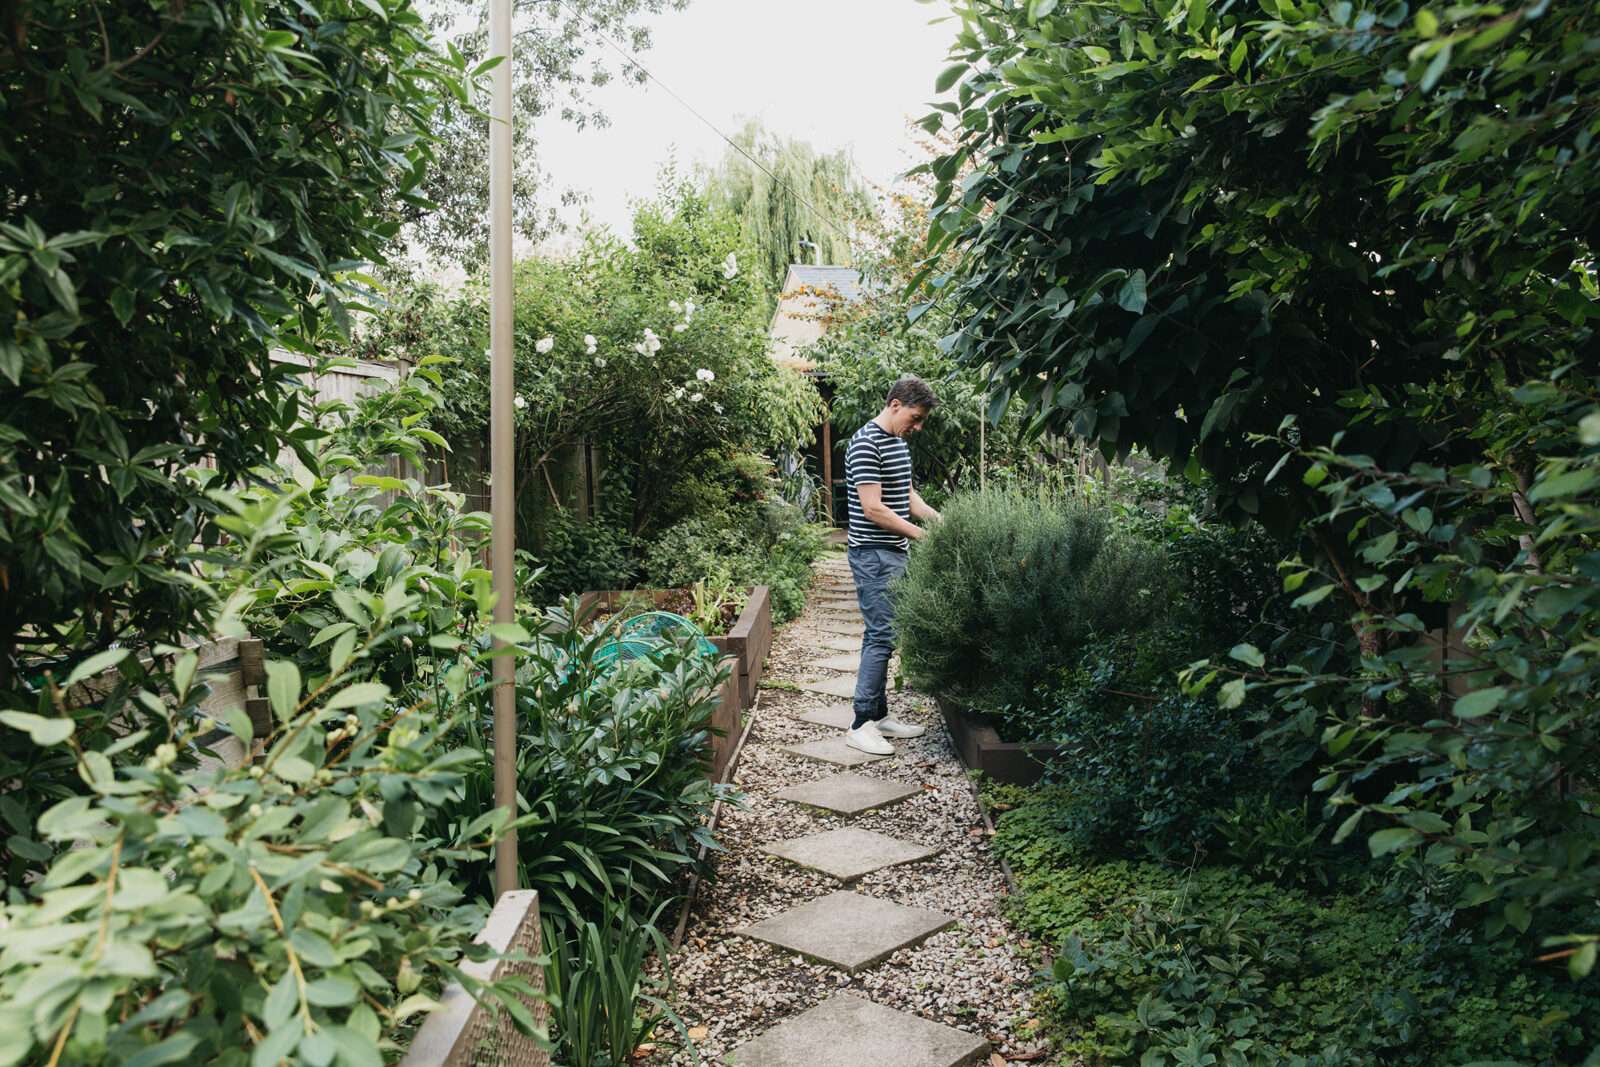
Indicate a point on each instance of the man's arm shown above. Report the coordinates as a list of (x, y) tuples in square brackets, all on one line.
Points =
[(921, 510), (879, 514)]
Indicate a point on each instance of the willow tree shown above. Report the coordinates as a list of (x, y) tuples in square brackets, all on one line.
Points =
[(805, 206)]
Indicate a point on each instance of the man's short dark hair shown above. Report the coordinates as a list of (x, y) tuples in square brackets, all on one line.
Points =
[(912, 392)]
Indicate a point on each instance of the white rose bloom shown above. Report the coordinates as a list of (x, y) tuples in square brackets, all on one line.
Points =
[(544, 344), (599, 361), (642, 348), (705, 375), (680, 327), (697, 397), (688, 310), (674, 305), (716, 407), (730, 267), (590, 343), (519, 402), (677, 394)]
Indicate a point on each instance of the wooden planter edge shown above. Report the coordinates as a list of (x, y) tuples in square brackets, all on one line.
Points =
[(980, 747)]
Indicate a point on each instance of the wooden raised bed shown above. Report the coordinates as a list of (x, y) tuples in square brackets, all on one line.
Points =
[(748, 637), (980, 748)]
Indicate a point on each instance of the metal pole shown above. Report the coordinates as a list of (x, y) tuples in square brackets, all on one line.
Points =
[(502, 388)]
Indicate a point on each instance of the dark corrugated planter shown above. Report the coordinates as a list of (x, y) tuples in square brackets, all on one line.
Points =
[(980, 747)]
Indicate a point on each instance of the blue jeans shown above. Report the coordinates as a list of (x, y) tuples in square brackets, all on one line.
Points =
[(874, 569)]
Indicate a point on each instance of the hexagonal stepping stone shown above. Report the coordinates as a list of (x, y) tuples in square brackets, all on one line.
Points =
[(848, 793), (847, 930), (848, 1031), (848, 853), (832, 750), (837, 663), (843, 644), (830, 686), (842, 716)]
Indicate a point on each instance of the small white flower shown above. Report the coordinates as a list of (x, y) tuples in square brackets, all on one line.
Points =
[(677, 394), (716, 407), (730, 267), (697, 397), (589, 343), (544, 344), (674, 305), (599, 361), (642, 348), (688, 310), (680, 327), (519, 402), (705, 375)]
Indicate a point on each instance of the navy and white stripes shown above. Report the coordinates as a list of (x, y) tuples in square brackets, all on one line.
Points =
[(875, 455)]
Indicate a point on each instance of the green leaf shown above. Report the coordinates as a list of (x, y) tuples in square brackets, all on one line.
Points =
[(1232, 694), (509, 632), (241, 726), (1562, 485), (1582, 961), (1040, 9), (1248, 654), (40, 730), (96, 664), (354, 1050), (358, 694), (294, 769), (949, 76), (283, 688), (1132, 296), (1313, 598), (1392, 840), (1197, 15), (1481, 702)]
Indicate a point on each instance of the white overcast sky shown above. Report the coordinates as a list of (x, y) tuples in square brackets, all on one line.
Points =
[(838, 73)]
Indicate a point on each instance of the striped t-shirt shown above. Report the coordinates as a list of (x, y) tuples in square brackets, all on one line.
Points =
[(876, 455)]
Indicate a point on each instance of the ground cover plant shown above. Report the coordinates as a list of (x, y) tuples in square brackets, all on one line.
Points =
[(1224, 963)]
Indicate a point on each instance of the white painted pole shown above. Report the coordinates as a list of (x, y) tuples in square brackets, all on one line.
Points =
[(502, 389)]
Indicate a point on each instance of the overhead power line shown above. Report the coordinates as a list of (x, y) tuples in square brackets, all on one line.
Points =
[(629, 57)]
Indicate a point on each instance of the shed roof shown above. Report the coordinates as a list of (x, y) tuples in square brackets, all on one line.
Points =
[(846, 281)]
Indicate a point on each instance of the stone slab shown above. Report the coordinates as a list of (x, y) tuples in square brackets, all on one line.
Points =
[(843, 644), (842, 716), (849, 1031), (848, 793), (838, 603), (839, 626), (837, 663), (830, 686), (848, 930), (832, 750), (849, 853)]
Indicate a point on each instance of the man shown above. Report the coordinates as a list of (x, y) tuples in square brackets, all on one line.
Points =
[(877, 472)]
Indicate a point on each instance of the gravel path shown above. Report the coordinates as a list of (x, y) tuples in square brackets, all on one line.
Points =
[(973, 976)]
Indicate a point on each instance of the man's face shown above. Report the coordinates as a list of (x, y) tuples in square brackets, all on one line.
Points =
[(904, 420)]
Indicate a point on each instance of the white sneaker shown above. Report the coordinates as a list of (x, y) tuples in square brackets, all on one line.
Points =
[(896, 728), (867, 739)]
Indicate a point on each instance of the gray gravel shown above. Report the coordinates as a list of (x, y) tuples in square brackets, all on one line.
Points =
[(974, 976)]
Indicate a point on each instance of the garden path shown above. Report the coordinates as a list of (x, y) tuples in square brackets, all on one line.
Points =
[(855, 916)]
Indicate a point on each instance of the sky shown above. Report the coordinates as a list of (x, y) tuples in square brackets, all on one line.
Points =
[(837, 73)]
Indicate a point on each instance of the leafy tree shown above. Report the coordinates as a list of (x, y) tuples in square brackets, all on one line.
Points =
[(558, 58), (1188, 220), (677, 371), (185, 187), (813, 208)]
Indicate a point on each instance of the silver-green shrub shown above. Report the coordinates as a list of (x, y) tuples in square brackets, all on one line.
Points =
[(1009, 584)]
